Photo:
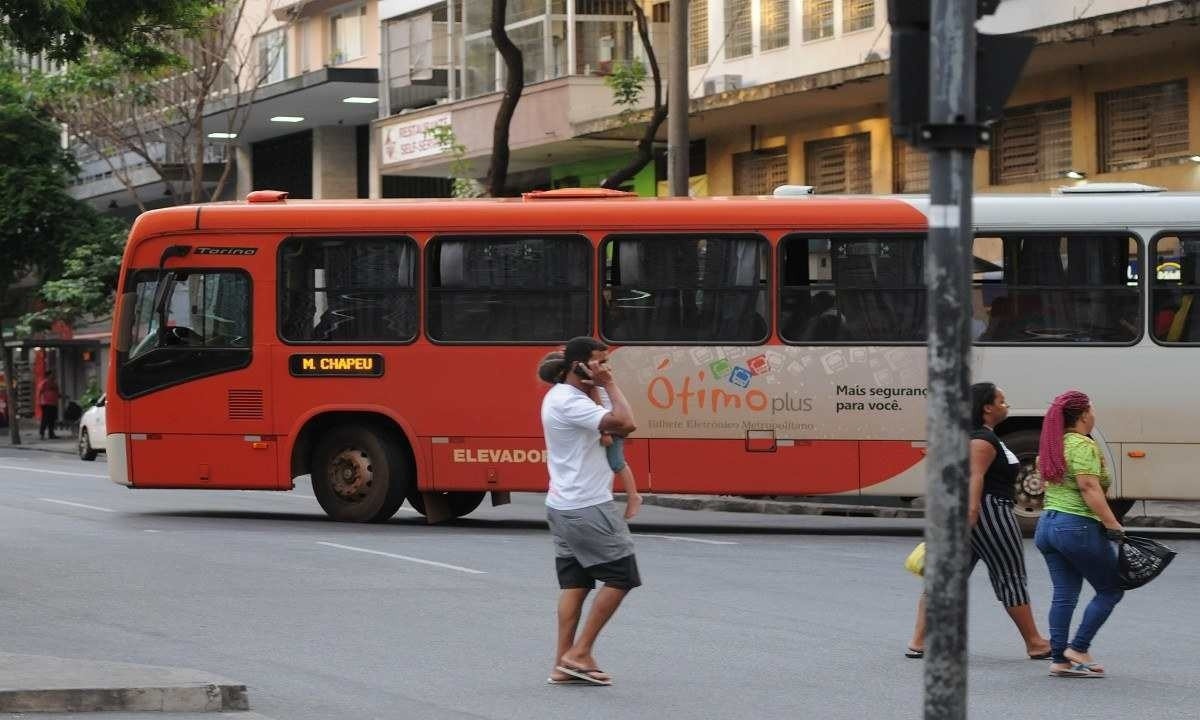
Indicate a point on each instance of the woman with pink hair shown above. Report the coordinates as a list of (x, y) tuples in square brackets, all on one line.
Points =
[(1076, 532)]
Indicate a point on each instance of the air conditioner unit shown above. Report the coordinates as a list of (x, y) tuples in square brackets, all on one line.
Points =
[(722, 83)]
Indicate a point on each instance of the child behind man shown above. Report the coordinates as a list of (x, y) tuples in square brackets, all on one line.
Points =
[(552, 369)]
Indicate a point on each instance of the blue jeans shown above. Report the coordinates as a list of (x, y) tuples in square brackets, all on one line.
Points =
[(1076, 549), (616, 454)]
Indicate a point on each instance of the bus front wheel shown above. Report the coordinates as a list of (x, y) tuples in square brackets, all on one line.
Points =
[(359, 474), (458, 503)]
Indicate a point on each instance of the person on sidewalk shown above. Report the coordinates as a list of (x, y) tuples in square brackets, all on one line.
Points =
[(591, 540), (552, 370), (47, 398), (995, 534), (1076, 533)]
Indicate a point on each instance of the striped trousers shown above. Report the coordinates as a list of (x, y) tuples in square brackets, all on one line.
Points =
[(996, 539)]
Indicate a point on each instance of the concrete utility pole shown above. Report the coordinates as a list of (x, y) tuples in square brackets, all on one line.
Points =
[(952, 136), (677, 102)]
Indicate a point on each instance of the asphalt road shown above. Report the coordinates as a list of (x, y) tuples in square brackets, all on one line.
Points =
[(742, 616)]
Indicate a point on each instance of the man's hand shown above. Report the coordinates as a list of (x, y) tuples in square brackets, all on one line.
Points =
[(601, 373)]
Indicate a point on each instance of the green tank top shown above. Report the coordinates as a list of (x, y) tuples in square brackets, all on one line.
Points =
[(1083, 458)]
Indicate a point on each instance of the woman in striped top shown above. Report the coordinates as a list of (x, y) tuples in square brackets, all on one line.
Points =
[(995, 534)]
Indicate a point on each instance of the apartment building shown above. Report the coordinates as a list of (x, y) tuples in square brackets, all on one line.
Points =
[(795, 91)]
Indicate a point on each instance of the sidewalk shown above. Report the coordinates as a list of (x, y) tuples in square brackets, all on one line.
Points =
[(1150, 513), (29, 441), (40, 683)]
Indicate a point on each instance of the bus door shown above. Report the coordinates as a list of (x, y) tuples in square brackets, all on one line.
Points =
[(194, 371)]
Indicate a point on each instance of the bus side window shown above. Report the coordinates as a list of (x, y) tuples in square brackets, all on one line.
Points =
[(508, 288), (852, 289), (347, 289), (1078, 288), (686, 288), (1175, 288)]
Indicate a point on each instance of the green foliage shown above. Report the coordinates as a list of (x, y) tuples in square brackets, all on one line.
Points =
[(465, 185), (90, 396), (43, 230), (35, 209), (628, 83), (135, 29)]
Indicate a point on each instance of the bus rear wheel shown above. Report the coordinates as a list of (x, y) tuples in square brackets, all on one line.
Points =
[(460, 503), (1030, 489), (360, 474)]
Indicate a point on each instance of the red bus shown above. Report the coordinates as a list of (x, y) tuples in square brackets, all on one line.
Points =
[(385, 350)]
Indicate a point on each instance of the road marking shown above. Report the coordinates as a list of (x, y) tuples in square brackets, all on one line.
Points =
[(51, 472), (78, 505), (402, 557), (686, 539)]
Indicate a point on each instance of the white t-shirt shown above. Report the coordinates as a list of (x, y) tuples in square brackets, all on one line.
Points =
[(579, 473)]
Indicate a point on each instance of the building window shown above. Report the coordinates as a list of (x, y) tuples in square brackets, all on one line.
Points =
[(1143, 126), (857, 15), (346, 34), (759, 172), (272, 56), (660, 12), (839, 165), (698, 32), (818, 19), (1032, 143), (775, 18), (1078, 288), (335, 289), (508, 289), (910, 168), (739, 33), (1176, 299), (859, 289), (681, 289)]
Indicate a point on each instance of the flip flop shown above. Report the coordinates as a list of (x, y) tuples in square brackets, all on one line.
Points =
[(567, 681), (1042, 656), (914, 654), (1078, 670), (588, 675)]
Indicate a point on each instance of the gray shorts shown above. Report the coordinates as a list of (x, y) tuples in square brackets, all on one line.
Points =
[(592, 535)]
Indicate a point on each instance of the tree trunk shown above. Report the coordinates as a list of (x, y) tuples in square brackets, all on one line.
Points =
[(10, 378), (645, 146), (514, 84), (198, 161)]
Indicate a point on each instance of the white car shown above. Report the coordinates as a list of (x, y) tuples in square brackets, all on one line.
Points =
[(93, 430)]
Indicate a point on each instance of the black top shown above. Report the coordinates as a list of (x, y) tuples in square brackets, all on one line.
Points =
[(999, 478)]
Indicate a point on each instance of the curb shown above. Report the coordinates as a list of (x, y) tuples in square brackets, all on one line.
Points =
[(48, 684), (781, 507), (196, 698), (777, 507), (34, 448)]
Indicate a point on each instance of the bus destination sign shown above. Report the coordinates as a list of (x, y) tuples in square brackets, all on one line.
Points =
[(321, 365)]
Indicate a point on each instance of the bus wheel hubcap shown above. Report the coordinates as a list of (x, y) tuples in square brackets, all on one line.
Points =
[(351, 474), (1030, 488)]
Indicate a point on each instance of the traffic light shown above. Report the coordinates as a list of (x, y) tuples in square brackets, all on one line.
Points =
[(998, 63)]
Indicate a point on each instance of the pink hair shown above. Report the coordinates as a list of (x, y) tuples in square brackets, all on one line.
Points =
[(1053, 463)]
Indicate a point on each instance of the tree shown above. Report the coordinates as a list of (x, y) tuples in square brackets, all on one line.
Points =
[(131, 115), (38, 219), (63, 31), (514, 85), (627, 91)]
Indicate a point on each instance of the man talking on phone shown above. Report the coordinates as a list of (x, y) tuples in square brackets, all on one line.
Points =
[(591, 538)]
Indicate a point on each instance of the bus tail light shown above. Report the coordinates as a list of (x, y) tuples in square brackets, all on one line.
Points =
[(1137, 453)]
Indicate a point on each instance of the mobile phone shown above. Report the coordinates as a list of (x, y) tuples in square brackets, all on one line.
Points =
[(581, 371)]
